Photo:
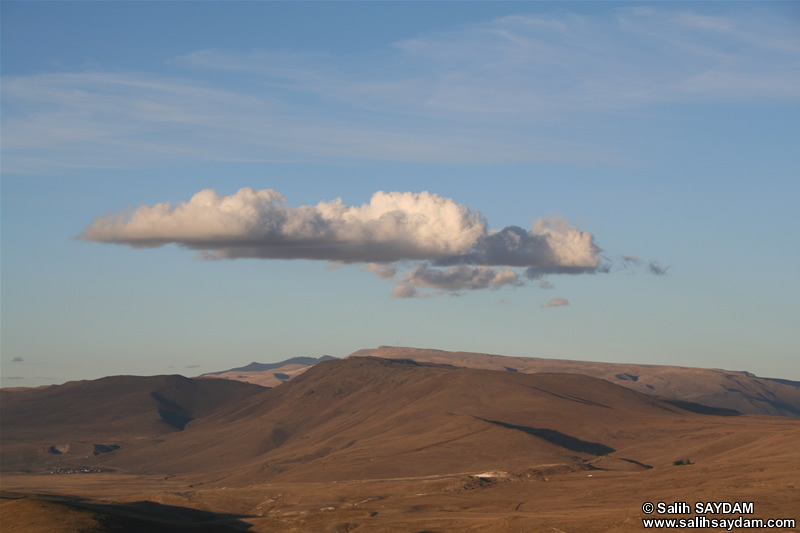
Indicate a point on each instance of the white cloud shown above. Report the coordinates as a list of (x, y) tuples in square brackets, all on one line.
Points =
[(393, 226), (452, 245), (552, 246)]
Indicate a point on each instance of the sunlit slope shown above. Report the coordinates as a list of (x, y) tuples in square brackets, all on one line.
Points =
[(741, 391), (269, 374)]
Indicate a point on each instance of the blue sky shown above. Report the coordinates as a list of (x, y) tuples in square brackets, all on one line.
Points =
[(596, 181)]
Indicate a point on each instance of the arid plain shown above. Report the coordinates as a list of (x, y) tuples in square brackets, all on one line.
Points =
[(397, 440)]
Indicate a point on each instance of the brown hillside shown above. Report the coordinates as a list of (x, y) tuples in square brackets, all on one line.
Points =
[(740, 391), (70, 419), (373, 418)]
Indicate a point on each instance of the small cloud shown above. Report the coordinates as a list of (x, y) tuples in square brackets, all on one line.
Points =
[(557, 302), (382, 271), (635, 262), (405, 291), (461, 277), (334, 265), (657, 269), (193, 366), (34, 378), (17, 359), (544, 284)]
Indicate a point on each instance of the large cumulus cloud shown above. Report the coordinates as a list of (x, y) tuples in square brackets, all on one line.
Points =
[(392, 227), (442, 245)]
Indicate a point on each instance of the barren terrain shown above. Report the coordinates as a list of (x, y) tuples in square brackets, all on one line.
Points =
[(738, 390), (375, 444)]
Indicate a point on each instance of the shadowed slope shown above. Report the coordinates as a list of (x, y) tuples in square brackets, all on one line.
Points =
[(84, 417), (56, 514), (135, 404)]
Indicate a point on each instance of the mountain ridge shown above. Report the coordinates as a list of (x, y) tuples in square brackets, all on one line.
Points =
[(726, 389), (261, 367), (716, 388)]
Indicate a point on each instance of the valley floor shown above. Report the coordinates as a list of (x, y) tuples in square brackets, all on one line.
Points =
[(548, 498)]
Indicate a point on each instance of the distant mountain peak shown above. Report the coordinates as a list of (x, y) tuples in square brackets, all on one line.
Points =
[(261, 367)]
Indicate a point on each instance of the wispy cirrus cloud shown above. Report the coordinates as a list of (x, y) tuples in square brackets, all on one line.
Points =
[(124, 120), (525, 68), (512, 89), (450, 247)]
